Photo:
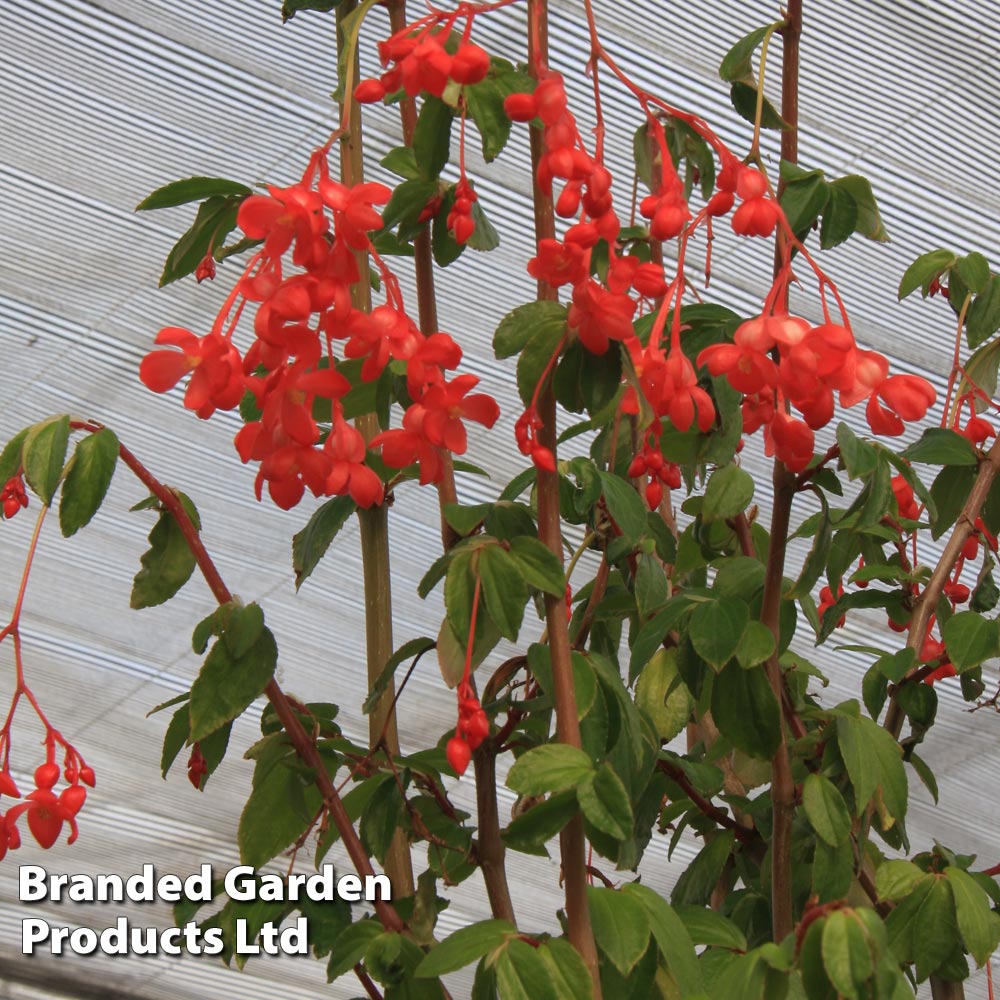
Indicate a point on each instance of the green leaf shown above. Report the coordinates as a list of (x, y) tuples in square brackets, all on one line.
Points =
[(979, 925), (696, 884), (191, 189), (10, 457), (658, 694), (432, 137), (950, 492), (970, 639), (982, 368), (815, 562), (840, 218), (227, 683), (935, 928), (897, 878), (43, 455), (522, 323), (549, 768), (90, 471), (605, 802), (215, 220), (621, 926), (405, 205), (728, 493), (651, 585), (869, 222), (744, 100), (624, 505), (401, 162), (805, 195), (859, 456), (289, 8), (671, 930), (279, 809), (826, 810), (846, 957), (464, 947), (715, 629), (522, 974), (539, 565), (940, 446), (737, 63), (566, 970), (531, 829), (504, 590), (383, 816), (465, 519), (705, 926), (484, 104), (983, 318), (168, 563), (310, 544), (350, 947), (536, 358), (974, 270), (414, 648), (756, 645), (923, 271), (746, 710), (175, 738)]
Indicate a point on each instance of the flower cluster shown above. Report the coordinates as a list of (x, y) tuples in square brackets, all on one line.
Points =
[(473, 727), (289, 377), (46, 811), (813, 363), (13, 496)]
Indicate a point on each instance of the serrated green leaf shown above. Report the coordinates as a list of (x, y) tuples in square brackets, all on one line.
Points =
[(503, 588), (605, 802), (804, 197), (737, 63), (624, 505), (756, 645), (869, 222), (551, 767), (521, 973), (531, 829), (566, 970), (934, 928), (621, 926), (168, 562), (10, 457), (191, 189), (90, 471), (311, 543), (983, 318), (923, 271), (840, 218), (465, 946), (846, 957), (524, 322), (744, 100), (970, 639), (729, 492), (43, 456), (350, 947), (715, 629), (227, 684), (175, 738), (484, 104), (941, 446), (746, 711), (671, 931), (539, 565), (979, 925), (696, 884), (215, 220), (974, 270), (826, 810), (432, 137), (658, 694)]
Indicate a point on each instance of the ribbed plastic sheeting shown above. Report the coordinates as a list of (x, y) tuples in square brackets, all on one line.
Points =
[(104, 101)]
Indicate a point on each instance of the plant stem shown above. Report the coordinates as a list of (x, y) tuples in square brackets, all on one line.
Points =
[(304, 745), (572, 842), (491, 850), (374, 521), (782, 785)]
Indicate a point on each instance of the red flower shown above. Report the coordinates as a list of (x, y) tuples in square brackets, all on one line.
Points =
[(447, 403), (353, 214), (600, 316), (408, 445), (558, 263), (349, 474), (217, 382), (285, 216), (376, 336), (747, 370), (46, 814)]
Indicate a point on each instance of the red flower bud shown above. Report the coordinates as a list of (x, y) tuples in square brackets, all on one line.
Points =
[(459, 753)]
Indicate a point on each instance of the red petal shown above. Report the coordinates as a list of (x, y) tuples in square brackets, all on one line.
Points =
[(162, 370)]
